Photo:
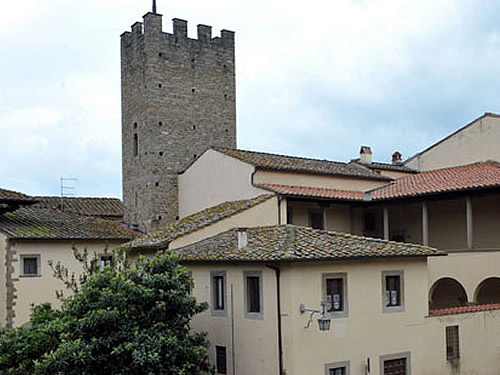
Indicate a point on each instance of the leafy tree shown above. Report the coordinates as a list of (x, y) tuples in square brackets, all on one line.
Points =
[(122, 320)]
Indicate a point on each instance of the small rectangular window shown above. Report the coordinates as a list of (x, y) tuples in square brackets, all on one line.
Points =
[(393, 291), (136, 145), (337, 368), (253, 294), (316, 220), (452, 343), (30, 265), (337, 371), (220, 359), (395, 364), (218, 293), (106, 261), (335, 293)]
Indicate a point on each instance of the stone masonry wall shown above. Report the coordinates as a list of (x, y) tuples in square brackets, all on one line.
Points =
[(178, 99)]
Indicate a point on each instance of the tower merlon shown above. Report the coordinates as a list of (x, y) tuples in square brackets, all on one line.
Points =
[(180, 27), (204, 32), (152, 23), (227, 38), (137, 28)]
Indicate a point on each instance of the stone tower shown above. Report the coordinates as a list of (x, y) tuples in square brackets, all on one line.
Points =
[(178, 99)]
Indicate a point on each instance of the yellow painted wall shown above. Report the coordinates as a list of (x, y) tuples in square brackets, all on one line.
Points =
[(213, 179), (477, 142), (312, 180), (255, 341), (42, 289)]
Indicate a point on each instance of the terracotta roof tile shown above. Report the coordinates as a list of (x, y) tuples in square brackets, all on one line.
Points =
[(289, 243), (301, 191), (161, 237), (464, 309), (102, 207), (305, 165), (477, 175), (46, 224)]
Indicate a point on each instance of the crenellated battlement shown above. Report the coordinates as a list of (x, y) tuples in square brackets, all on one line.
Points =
[(152, 25), (178, 99)]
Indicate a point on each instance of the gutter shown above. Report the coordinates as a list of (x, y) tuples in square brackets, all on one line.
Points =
[(278, 309)]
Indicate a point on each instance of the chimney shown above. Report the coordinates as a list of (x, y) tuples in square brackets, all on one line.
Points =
[(396, 158), (242, 238), (365, 154)]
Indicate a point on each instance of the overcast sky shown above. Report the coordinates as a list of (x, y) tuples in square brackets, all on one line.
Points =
[(315, 78)]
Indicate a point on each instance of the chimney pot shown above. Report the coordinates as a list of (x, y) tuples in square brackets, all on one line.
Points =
[(242, 238), (396, 158), (365, 154)]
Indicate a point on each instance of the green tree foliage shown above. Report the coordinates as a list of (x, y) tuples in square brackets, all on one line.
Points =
[(133, 320)]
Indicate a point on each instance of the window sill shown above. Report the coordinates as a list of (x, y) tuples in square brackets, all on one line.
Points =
[(222, 313), (337, 314), (254, 315), (30, 276), (393, 309)]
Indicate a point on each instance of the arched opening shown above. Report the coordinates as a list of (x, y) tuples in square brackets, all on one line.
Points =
[(488, 291), (447, 292)]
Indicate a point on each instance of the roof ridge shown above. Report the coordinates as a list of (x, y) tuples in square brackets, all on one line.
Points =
[(276, 154)]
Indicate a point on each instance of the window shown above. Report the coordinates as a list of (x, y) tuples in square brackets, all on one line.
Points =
[(220, 359), (218, 293), (395, 364), (30, 265), (136, 145), (253, 294), (337, 368), (452, 344), (370, 222), (106, 261), (335, 292), (392, 287), (316, 220)]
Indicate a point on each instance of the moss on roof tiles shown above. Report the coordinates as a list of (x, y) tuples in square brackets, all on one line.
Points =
[(29, 223), (289, 243), (88, 206), (302, 165), (161, 237), (14, 196)]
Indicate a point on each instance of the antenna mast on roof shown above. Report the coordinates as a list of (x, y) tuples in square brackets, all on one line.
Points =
[(154, 6), (64, 188)]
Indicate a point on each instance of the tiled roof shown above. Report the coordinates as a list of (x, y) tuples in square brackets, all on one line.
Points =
[(161, 237), (297, 164), (472, 176), (289, 243), (46, 224), (301, 191), (102, 207), (14, 196), (386, 166), (464, 309)]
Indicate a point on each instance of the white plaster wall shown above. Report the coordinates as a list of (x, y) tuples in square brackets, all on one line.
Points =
[(476, 142), (214, 178)]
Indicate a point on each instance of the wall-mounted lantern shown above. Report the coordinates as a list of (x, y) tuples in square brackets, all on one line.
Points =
[(323, 321)]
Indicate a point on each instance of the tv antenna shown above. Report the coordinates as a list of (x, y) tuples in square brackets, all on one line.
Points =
[(154, 6), (66, 190)]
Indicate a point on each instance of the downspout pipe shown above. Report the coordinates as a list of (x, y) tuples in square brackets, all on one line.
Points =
[(278, 309)]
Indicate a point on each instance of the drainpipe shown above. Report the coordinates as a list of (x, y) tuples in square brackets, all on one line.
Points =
[(278, 304)]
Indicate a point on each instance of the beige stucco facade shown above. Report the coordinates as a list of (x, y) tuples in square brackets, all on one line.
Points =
[(38, 289), (315, 180), (213, 179), (367, 333), (478, 141)]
